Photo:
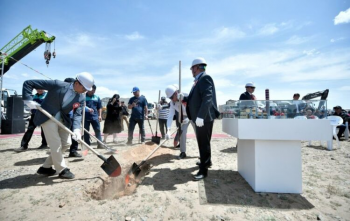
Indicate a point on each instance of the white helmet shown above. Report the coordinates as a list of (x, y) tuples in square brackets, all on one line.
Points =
[(171, 89), (86, 80), (198, 61)]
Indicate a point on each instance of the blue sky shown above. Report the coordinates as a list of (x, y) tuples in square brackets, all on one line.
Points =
[(286, 46)]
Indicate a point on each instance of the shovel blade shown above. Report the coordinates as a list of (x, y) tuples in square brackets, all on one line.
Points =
[(135, 169), (112, 167), (156, 140)]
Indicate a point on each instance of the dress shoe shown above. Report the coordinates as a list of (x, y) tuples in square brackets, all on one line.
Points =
[(182, 155), (66, 174), (42, 146), (199, 176), (178, 146), (46, 171), (199, 163), (74, 154), (21, 149)]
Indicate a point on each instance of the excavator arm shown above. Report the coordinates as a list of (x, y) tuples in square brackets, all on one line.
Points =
[(24, 43), (322, 94)]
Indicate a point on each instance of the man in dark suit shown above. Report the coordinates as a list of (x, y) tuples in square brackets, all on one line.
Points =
[(202, 109), (61, 98), (248, 95)]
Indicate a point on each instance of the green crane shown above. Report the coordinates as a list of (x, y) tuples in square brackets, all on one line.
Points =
[(21, 45), (24, 43)]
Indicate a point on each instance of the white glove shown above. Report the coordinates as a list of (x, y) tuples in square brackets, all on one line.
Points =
[(167, 135), (31, 104), (185, 121), (77, 135), (199, 122)]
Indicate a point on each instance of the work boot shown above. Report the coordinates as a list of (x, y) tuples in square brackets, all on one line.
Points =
[(21, 149), (43, 146), (182, 155), (66, 174), (74, 154), (46, 171)]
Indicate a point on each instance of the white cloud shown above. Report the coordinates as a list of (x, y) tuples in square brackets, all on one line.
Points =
[(344, 88), (336, 39), (269, 29), (134, 36), (342, 17), (229, 33), (296, 40), (310, 52), (102, 92), (25, 74)]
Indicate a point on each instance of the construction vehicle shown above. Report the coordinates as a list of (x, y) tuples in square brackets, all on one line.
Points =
[(24, 43), (322, 94), (21, 45)]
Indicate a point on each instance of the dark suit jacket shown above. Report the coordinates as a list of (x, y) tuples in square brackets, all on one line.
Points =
[(201, 102), (245, 96), (53, 102)]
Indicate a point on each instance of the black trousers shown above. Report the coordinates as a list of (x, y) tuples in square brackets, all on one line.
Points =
[(74, 146), (162, 126), (203, 135), (29, 133)]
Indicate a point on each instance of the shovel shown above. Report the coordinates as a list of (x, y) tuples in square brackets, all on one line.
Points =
[(135, 169), (156, 139), (101, 143), (110, 165)]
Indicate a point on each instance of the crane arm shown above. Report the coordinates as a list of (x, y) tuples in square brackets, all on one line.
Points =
[(21, 45)]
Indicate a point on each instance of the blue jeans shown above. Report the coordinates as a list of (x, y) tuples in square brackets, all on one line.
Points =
[(96, 126), (132, 124)]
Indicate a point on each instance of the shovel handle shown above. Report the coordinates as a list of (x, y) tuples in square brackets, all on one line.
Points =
[(150, 126), (64, 128), (157, 114), (98, 141), (157, 148)]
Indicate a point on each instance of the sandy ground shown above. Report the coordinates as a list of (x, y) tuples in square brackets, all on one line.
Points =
[(165, 190)]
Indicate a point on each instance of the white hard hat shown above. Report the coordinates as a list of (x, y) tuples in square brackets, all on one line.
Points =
[(251, 84), (198, 61), (86, 80), (171, 89)]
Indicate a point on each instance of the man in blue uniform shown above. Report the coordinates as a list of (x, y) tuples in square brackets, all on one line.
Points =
[(38, 97), (93, 115), (138, 106)]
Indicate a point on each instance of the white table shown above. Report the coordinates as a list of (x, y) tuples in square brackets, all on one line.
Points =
[(269, 151)]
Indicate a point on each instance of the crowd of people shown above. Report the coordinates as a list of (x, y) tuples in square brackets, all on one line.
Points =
[(74, 99)]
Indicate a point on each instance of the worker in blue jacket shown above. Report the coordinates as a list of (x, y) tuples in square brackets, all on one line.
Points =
[(38, 97), (93, 115)]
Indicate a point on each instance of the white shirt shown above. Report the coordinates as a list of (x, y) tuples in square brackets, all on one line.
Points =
[(172, 109)]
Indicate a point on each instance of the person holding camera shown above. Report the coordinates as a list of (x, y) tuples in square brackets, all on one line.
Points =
[(125, 115), (138, 106), (113, 119)]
